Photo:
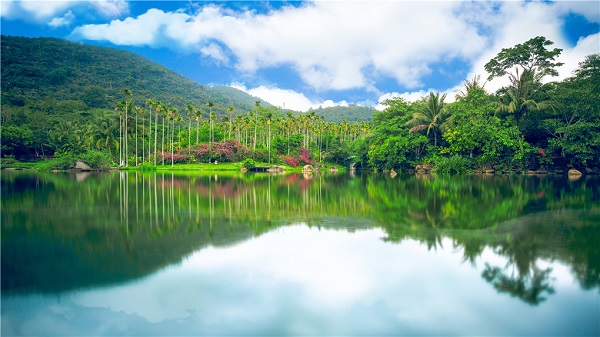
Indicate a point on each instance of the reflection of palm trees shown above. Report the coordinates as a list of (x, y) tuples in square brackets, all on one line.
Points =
[(528, 287)]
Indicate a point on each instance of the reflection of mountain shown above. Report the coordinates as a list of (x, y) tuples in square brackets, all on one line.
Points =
[(116, 227)]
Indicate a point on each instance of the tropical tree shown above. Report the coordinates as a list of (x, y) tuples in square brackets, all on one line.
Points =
[(257, 104), (520, 96), (531, 56), (126, 106), (210, 104), (190, 113), (433, 117), (198, 117), (470, 87), (230, 110), (138, 111)]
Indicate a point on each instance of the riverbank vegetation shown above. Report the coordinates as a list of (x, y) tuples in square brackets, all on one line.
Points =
[(529, 124)]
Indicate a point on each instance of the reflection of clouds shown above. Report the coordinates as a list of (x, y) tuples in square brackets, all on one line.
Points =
[(308, 281)]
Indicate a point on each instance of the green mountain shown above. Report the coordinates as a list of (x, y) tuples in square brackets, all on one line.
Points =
[(353, 113), (60, 77)]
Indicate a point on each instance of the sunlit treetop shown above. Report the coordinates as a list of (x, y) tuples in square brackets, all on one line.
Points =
[(531, 56)]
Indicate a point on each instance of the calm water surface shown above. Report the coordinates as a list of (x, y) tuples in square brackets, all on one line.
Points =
[(167, 254)]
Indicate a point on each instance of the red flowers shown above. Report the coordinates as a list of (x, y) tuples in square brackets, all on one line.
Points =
[(541, 152)]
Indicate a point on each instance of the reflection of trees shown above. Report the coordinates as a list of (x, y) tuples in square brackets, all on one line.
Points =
[(145, 221), (529, 286)]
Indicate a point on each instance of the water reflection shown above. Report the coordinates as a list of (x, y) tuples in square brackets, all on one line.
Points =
[(305, 281), (118, 229)]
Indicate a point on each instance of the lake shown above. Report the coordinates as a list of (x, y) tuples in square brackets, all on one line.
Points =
[(126, 253)]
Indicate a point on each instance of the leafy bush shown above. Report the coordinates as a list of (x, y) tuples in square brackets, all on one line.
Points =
[(451, 165), (97, 159), (290, 161), (228, 151), (176, 158), (59, 162), (304, 156), (147, 167), (249, 163)]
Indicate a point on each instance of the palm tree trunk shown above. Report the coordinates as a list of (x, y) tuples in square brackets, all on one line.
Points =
[(162, 150), (136, 147)]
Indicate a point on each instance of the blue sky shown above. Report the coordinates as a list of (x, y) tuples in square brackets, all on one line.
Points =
[(302, 54)]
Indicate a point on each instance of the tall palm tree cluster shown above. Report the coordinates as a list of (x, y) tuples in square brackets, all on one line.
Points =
[(159, 134)]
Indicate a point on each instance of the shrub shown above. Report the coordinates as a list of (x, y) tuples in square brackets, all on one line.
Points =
[(451, 165), (59, 162), (249, 163), (97, 159), (175, 157), (228, 151), (147, 167), (304, 156), (291, 161)]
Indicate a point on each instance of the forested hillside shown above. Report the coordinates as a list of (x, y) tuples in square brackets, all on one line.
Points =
[(54, 75), (69, 100), (338, 114)]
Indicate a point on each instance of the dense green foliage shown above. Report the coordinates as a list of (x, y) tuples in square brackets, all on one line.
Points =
[(61, 98), (77, 98), (526, 125), (338, 114)]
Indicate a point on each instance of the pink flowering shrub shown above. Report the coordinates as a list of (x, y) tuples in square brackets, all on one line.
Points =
[(177, 158), (304, 156), (291, 161), (228, 151)]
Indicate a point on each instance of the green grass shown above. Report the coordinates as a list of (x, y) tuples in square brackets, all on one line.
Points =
[(49, 164), (19, 165)]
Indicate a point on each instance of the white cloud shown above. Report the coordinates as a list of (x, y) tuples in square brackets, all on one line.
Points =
[(111, 8), (589, 9), (65, 20), (335, 45), (413, 96), (6, 8), (332, 45), (287, 99), (145, 30), (516, 22), (38, 11), (214, 51), (42, 10)]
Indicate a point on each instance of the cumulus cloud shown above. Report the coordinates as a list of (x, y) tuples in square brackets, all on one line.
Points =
[(331, 45), (590, 10), (39, 11), (285, 98), (65, 20), (6, 8), (144, 30), (515, 22), (334, 45), (111, 8)]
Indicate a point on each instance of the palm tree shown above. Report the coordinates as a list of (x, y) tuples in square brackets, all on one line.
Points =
[(230, 112), (257, 103), (470, 86), (151, 105), (138, 111), (198, 116), (173, 114), (519, 96), (433, 118), (190, 112), (122, 108), (102, 133), (165, 114), (127, 106), (210, 127)]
